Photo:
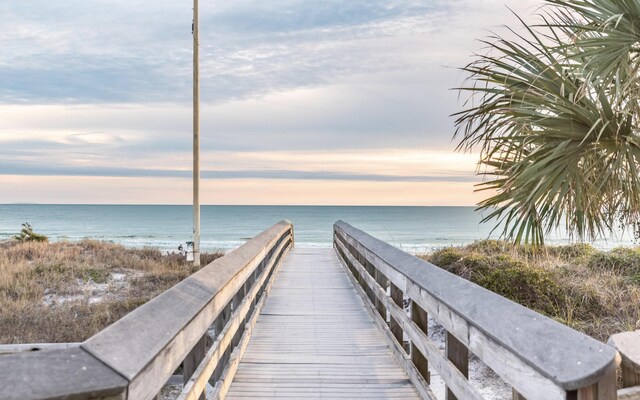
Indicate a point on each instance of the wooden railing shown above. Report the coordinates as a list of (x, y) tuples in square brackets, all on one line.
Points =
[(628, 345), (540, 358), (200, 326)]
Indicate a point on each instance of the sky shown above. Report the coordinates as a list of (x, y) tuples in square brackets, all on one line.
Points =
[(302, 102)]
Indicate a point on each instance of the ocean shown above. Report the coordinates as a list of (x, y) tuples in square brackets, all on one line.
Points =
[(413, 229)]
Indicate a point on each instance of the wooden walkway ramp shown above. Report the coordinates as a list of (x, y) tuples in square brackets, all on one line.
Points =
[(315, 339)]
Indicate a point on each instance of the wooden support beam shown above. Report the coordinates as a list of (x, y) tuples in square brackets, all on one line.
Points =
[(396, 328), (383, 282), (193, 360), (604, 389), (421, 319), (458, 354), (367, 270), (220, 324), (237, 300)]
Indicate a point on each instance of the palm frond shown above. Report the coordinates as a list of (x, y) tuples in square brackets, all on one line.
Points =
[(605, 37), (558, 147)]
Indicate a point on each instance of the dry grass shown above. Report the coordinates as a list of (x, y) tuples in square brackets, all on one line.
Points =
[(66, 292), (592, 291)]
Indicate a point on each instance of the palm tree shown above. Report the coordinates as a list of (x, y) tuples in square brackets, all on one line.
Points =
[(555, 115)]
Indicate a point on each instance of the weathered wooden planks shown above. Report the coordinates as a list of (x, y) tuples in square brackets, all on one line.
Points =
[(315, 339), (70, 373), (35, 347)]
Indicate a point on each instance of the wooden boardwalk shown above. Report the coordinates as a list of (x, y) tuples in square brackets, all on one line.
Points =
[(315, 339), (297, 324)]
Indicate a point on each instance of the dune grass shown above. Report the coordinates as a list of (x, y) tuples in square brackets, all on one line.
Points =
[(66, 292), (596, 292)]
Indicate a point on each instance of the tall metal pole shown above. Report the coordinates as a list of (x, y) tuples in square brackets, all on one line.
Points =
[(196, 138)]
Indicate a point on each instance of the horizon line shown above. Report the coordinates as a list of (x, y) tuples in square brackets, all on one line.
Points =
[(227, 205)]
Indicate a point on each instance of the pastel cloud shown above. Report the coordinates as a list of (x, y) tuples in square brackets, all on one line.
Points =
[(340, 92)]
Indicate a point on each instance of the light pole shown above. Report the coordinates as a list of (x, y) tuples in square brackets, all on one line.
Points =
[(196, 139)]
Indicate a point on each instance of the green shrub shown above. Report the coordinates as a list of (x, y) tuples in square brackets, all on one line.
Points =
[(489, 246), (635, 278), (475, 262), (595, 292), (506, 261), (492, 247), (532, 287), (470, 266), (571, 251), (28, 235), (622, 260), (445, 257), (97, 275), (484, 264)]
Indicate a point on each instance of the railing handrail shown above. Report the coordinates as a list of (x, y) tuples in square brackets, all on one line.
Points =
[(136, 355), (568, 358)]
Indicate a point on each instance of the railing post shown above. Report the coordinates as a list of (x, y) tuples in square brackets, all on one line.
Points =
[(352, 250), (254, 278), (193, 360), (394, 326), (247, 288), (604, 389), (237, 299), (220, 323), (630, 376), (382, 281), (628, 346), (458, 354), (421, 319), (367, 267)]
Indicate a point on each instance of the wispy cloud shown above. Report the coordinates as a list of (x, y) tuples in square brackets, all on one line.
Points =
[(98, 51), (102, 88), (30, 169), (123, 51)]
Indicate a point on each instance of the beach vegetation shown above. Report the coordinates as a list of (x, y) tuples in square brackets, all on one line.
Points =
[(554, 110), (68, 291), (447, 256), (28, 235), (622, 260), (594, 291)]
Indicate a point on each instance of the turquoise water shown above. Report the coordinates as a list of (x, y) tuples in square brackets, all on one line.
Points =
[(414, 229)]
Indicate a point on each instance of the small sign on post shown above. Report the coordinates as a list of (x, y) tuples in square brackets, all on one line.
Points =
[(190, 251)]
